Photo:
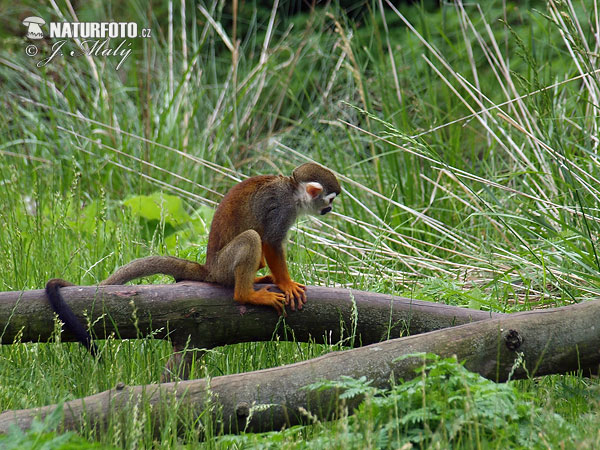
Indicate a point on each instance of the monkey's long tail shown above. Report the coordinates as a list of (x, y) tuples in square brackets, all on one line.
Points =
[(67, 316), (178, 268)]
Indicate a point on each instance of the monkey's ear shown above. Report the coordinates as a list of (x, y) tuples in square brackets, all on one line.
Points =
[(313, 189)]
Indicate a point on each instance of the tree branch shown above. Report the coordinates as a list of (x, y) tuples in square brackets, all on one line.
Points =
[(551, 341), (209, 316)]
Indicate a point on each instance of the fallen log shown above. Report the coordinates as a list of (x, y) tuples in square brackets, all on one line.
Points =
[(208, 315), (549, 341)]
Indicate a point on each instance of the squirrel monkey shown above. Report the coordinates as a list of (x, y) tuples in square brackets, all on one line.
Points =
[(248, 230)]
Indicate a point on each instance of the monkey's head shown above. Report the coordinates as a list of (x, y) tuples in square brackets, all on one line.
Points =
[(318, 187)]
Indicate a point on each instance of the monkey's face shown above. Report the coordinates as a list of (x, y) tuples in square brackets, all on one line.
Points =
[(328, 202), (316, 200)]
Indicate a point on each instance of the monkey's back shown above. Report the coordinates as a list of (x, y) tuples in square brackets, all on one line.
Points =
[(253, 204)]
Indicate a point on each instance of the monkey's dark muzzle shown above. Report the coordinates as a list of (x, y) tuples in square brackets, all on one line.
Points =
[(326, 210)]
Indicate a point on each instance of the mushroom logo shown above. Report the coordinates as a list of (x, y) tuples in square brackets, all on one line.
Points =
[(34, 30)]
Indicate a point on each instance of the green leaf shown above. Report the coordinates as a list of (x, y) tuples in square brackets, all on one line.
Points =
[(86, 221), (159, 206)]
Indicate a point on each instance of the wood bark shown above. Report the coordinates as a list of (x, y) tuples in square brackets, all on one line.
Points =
[(549, 341), (209, 316)]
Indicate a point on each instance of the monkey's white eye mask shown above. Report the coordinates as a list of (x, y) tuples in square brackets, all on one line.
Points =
[(313, 200), (328, 199)]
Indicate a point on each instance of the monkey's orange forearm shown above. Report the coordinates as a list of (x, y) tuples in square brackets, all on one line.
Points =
[(294, 292), (276, 261)]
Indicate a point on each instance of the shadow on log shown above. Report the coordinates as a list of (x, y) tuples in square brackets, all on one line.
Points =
[(209, 316), (551, 341)]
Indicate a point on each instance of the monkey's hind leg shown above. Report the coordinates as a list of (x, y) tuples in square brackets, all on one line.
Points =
[(237, 263)]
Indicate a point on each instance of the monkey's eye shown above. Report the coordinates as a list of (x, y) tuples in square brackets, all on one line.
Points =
[(329, 198)]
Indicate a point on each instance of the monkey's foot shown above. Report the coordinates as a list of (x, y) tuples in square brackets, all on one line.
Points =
[(263, 297), (294, 293)]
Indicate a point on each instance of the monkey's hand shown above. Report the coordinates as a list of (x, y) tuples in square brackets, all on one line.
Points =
[(295, 293), (265, 279)]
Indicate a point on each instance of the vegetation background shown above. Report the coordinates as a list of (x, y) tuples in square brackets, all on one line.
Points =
[(466, 139)]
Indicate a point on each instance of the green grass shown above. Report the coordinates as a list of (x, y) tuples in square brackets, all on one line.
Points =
[(495, 210)]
